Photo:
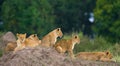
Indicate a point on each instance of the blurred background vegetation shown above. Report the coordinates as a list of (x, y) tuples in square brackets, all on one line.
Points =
[(96, 21), (92, 17)]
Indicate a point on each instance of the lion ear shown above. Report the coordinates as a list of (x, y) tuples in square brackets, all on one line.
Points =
[(107, 52), (58, 29), (75, 37), (35, 35), (17, 34), (25, 34)]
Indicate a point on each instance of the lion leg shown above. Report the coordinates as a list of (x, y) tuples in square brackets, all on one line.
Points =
[(71, 54), (60, 50), (105, 60), (19, 48)]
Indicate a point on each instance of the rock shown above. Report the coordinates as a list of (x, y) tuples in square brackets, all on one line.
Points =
[(9, 36)]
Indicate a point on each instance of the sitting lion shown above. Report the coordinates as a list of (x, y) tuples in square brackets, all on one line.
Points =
[(96, 56), (12, 45), (50, 39), (21, 38), (31, 41), (67, 45)]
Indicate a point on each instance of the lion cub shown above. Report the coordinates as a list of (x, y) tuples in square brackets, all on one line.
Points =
[(12, 45), (31, 41), (67, 45), (100, 56), (21, 38), (51, 38)]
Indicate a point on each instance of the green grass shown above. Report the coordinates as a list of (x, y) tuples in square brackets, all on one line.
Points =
[(97, 44), (116, 58), (1, 53)]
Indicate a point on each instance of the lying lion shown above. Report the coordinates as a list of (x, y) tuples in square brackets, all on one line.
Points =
[(96, 56)]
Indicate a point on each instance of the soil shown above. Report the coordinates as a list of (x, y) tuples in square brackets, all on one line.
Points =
[(40, 56)]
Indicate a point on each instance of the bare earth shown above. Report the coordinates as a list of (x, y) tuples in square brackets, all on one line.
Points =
[(41, 56)]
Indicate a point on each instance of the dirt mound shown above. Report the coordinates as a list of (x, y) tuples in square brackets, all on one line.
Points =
[(33, 57), (7, 37), (41, 56)]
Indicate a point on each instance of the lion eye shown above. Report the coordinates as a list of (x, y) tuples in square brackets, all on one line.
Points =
[(107, 53)]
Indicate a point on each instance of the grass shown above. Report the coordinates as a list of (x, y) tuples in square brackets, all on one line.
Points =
[(1, 53), (96, 44), (116, 58)]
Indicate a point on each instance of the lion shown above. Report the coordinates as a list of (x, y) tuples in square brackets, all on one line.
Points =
[(95, 56), (31, 41), (50, 39), (21, 38), (67, 45), (12, 45)]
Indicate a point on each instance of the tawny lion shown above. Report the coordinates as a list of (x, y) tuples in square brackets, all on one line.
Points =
[(12, 45), (96, 56), (21, 38), (31, 41), (67, 45), (50, 39)]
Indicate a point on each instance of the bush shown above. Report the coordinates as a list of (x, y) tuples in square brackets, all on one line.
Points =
[(107, 21)]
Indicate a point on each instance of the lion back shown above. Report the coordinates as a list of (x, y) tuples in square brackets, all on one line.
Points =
[(51, 38)]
